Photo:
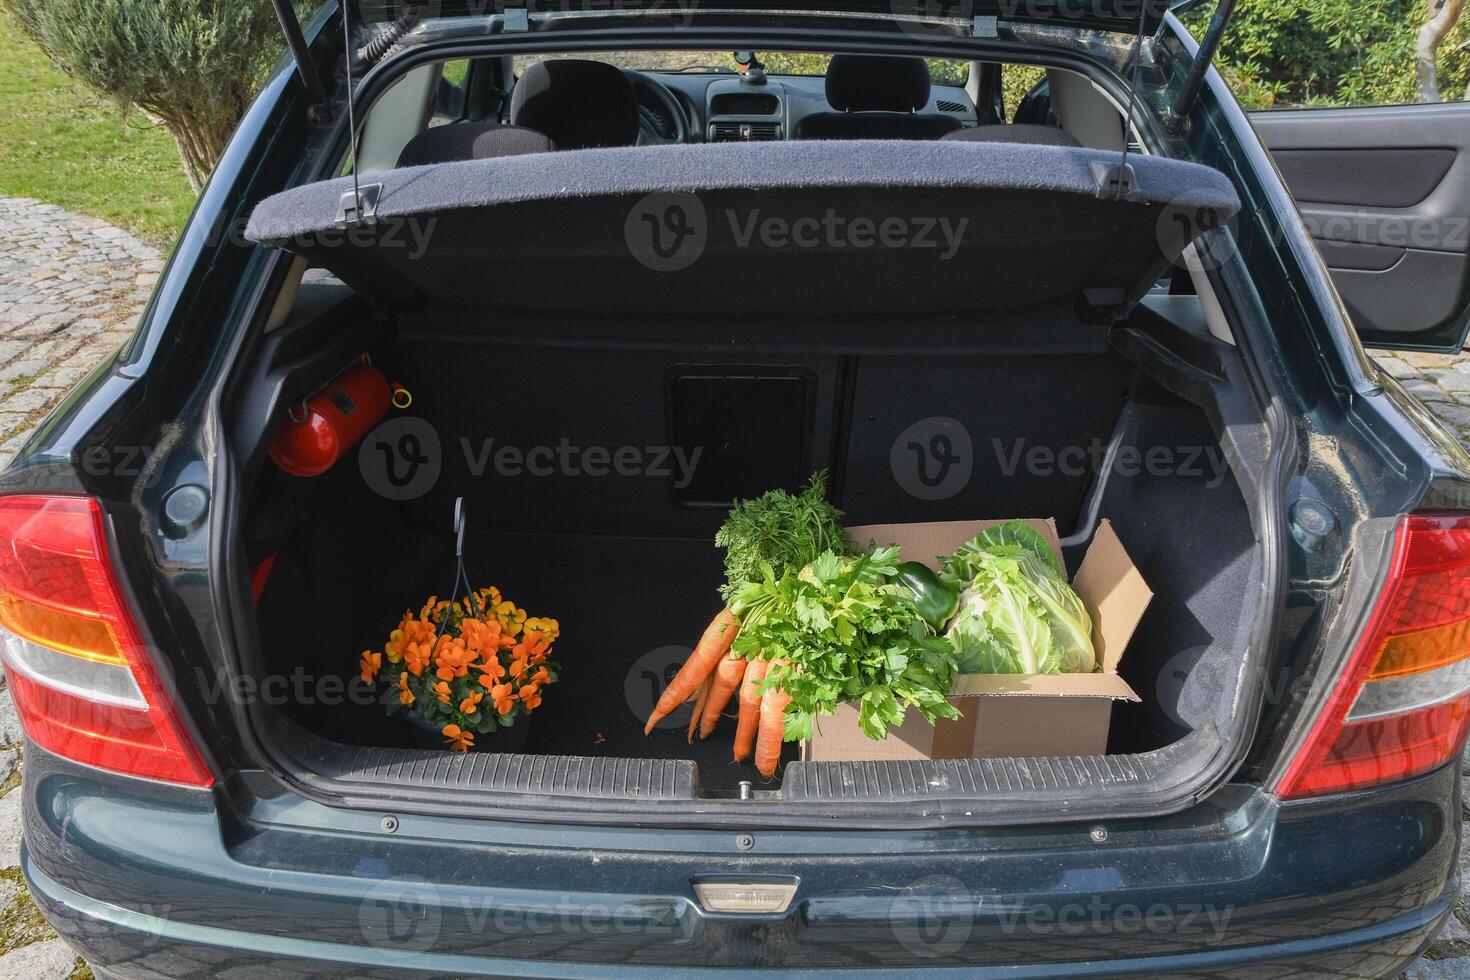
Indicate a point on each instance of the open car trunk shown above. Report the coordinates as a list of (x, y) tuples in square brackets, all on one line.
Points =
[(597, 426)]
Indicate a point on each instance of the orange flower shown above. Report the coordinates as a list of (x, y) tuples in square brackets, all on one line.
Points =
[(459, 739), (504, 697), (492, 672), (404, 694), (471, 704), (530, 696), (517, 668), (542, 676), (534, 647), (369, 666), (441, 691), (453, 660)]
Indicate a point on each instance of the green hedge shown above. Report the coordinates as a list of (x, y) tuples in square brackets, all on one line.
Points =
[(1332, 52)]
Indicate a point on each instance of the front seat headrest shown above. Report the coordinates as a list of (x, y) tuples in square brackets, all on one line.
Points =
[(471, 141), (578, 104), (877, 83)]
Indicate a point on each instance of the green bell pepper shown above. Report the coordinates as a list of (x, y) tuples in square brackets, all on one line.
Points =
[(937, 602)]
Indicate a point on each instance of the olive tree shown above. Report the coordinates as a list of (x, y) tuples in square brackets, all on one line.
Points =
[(191, 65)]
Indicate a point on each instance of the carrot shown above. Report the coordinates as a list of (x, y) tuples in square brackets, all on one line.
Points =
[(713, 645), (750, 709), (700, 697), (726, 682), (772, 728)]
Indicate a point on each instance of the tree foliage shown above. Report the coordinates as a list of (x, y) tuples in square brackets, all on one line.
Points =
[(1333, 52), (192, 65)]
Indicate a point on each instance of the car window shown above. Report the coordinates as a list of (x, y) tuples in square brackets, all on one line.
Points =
[(944, 71), (1017, 81), (451, 98), (1331, 53)]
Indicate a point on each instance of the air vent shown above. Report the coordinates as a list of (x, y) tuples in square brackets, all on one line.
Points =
[(741, 132), (944, 105)]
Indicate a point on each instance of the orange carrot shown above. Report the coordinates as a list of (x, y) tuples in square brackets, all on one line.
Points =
[(726, 682), (750, 709), (713, 645), (772, 728), (700, 698)]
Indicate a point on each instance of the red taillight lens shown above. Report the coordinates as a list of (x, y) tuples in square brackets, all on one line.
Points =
[(1402, 705), (84, 684)]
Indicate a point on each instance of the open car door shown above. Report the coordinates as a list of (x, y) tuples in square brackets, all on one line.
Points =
[(1386, 193)]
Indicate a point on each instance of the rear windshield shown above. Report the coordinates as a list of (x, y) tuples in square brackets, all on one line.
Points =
[(944, 72)]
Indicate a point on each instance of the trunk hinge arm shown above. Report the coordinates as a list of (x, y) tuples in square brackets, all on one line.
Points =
[(318, 107), (1178, 118)]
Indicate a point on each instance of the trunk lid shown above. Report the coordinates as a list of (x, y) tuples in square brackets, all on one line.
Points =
[(1102, 15)]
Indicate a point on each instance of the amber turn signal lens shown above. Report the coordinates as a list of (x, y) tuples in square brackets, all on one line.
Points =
[(80, 636), (1423, 650)]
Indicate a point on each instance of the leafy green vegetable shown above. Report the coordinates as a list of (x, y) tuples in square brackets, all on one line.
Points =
[(963, 564), (1017, 613), (848, 633), (780, 530), (936, 600)]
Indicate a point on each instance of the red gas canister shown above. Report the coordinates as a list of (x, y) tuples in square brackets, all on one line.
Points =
[(334, 420)]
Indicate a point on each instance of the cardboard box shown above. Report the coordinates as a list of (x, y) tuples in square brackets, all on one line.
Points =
[(1010, 714)]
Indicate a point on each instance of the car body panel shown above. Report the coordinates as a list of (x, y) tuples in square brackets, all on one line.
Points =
[(143, 882)]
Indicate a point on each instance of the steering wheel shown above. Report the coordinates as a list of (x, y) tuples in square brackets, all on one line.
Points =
[(658, 92)]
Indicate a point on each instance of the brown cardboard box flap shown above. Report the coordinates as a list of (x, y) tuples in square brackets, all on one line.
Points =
[(1052, 685), (1009, 714), (926, 542), (1115, 594)]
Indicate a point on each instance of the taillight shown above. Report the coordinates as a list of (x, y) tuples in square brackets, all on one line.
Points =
[(1402, 705), (84, 685)]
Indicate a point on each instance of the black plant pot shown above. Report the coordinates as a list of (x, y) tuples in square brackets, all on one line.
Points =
[(504, 739)]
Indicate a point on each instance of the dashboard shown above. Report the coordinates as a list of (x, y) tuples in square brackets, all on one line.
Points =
[(718, 107)]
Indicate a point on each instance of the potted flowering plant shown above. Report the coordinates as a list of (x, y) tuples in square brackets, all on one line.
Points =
[(466, 673)]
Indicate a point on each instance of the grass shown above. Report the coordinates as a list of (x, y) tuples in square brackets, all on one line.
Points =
[(20, 923), (61, 144)]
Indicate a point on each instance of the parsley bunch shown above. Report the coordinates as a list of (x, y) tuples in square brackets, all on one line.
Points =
[(779, 530), (847, 633)]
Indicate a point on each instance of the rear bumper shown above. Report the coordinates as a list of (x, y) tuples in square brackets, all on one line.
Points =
[(148, 882)]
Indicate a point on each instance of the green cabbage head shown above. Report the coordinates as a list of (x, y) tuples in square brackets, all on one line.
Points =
[(1018, 614)]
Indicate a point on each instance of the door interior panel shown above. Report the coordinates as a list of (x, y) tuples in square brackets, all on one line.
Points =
[(1385, 191)]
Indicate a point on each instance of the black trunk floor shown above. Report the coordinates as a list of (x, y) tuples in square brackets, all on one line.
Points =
[(630, 611)]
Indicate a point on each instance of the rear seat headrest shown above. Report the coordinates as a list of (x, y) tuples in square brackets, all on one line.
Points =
[(578, 104), (877, 83), (471, 141), (1015, 133)]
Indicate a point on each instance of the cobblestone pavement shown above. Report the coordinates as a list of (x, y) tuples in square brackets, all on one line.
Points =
[(70, 290)]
